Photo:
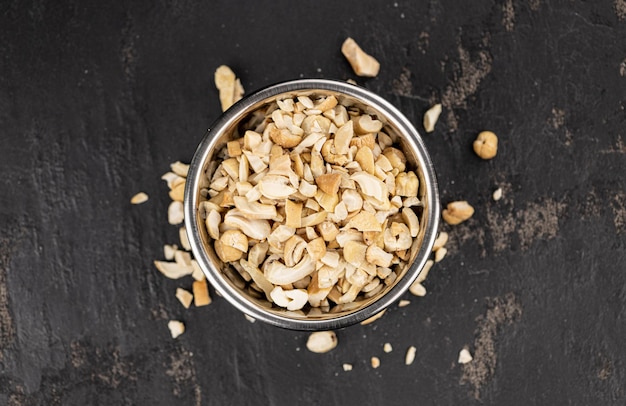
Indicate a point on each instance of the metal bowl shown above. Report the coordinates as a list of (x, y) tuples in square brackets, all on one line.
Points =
[(395, 124)]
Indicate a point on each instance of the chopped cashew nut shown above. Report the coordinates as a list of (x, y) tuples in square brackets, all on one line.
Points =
[(347, 367), (173, 270), (465, 356), (139, 198), (440, 241), (486, 145), (387, 348), (457, 212), (373, 318), (417, 289), (175, 213), (410, 355), (321, 341), (176, 328), (440, 253), (431, 117), (184, 297), (201, 293), (229, 86), (497, 194), (362, 63), (375, 362), (404, 303)]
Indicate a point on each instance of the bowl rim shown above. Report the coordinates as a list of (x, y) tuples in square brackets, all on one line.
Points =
[(228, 118)]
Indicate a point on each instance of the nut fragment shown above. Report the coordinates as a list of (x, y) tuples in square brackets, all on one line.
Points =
[(417, 289), (440, 241), (404, 303), (373, 318), (173, 270), (457, 212), (362, 63), (347, 367), (184, 297), (440, 253), (497, 194), (375, 362), (410, 355), (431, 117), (321, 341), (175, 213), (176, 328), (486, 145), (465, 356), (201, 293), (139, 198), (229, 86), (387, 348)]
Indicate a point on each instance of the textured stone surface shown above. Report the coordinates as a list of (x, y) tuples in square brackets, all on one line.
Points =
[(96, 99)]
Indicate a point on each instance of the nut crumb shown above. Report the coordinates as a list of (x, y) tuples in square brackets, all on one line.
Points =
[(431, 116), (387, 348), (184, 297), (465, 356), (375, 361), (404, 303), (497, 194), (176, 328), (410, 355), (347, 367), (417, 289), (249, 318), (139, 198)]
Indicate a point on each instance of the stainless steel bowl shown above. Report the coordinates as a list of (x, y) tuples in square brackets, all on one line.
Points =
[(395, 123)]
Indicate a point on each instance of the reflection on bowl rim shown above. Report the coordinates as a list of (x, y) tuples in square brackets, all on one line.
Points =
[(233, 116)]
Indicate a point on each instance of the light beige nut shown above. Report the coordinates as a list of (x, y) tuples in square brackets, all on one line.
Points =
[(343, 137), (440, 254), (284, 137), (321, 341), (465, 356), (407, 184), (417, 289), (440, 241), (365, 124), (365, 158), (354, 252), (316, 248), (172, 179), (431, 117), (397, 237), (184, 297), (364, 221), (291, 299), (229, 86), (233, 148), (255, 229), (226, 253), (201, 293), (411, 220), (362, 63), (258, 277), (139, 198), (235, 239), (457, 212), (365, 140), (179, 168), (294, 249), (254, 210), (176, 328), (375, 362), (327, 201), (212, 223), (175, 213), (347, 367), (329, 183), (276, 187), (486, 145), (168, 251), (173, 270), (378, 256), (184, 240), (404, 303), (197, 273), (370, 185), (410, 355), (396, 158), (387, 348), (279, 274), (293, 214), (497, 194)]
